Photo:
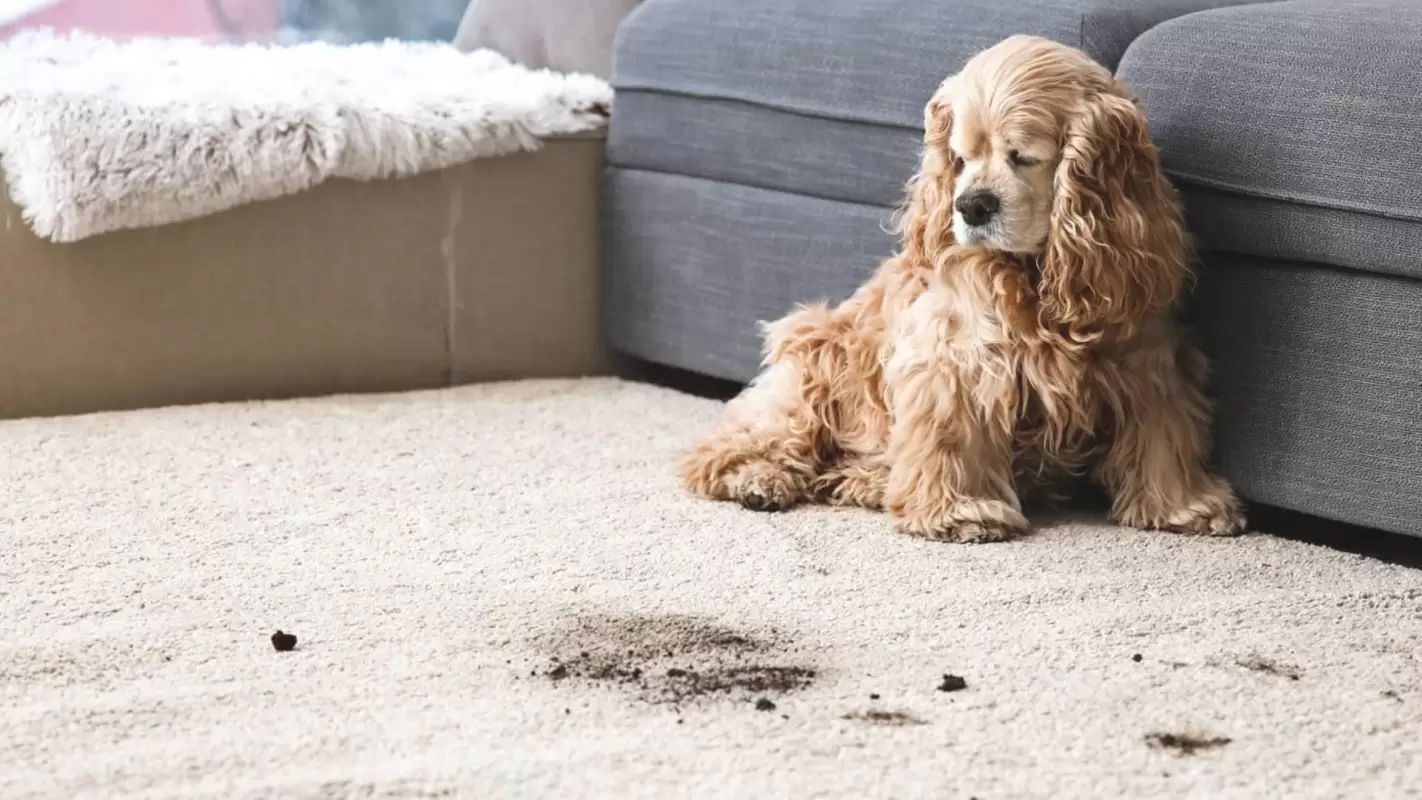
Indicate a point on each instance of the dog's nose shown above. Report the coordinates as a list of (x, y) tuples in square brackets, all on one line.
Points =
[(977, 207)]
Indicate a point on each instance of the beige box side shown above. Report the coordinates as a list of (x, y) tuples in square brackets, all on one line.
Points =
[(345, 288), (528, 246)]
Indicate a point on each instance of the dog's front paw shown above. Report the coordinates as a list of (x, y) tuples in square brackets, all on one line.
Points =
[(763, 486), (715, 471), (1212, 512), (966, 521)]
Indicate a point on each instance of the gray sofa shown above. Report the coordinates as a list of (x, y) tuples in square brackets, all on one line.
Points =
[(759, 146)]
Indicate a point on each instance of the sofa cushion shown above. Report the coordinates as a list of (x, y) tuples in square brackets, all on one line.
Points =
[(738, 90), (874, 61), (1294, 127), (693, 265), (740, 143)]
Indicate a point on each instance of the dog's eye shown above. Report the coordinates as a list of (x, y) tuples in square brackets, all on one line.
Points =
[(1019, 160)]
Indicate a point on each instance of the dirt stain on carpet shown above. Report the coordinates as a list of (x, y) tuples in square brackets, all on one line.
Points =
[(888, 719), (1268, 666), (1185, 744), (673, 660)]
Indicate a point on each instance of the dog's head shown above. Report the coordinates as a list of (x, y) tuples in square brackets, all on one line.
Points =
[(1035, 150)]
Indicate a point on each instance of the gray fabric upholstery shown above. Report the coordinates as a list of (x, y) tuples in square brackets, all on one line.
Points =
[(873, 61), (817, 97), (700, 263), (727, 140), (1309, 112), (1256, 226), (1317, 387)]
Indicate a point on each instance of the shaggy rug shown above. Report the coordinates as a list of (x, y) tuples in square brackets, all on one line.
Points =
[(96, 136), (499, 591)]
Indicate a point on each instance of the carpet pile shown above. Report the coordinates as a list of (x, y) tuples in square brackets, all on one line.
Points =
[(499, 591)]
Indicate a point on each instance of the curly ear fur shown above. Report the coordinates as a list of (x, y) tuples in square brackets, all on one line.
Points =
[(926, 220), (1117, 250)]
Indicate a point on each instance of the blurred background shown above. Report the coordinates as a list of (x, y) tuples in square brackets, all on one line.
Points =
[(285, 21)]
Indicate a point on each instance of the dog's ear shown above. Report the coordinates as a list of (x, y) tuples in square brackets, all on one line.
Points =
[(1117, 250), (926, 220)]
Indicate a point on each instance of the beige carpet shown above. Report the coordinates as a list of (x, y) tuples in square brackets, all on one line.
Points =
[(500, 592)]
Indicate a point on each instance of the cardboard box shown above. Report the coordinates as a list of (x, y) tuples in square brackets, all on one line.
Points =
[(486, 270)]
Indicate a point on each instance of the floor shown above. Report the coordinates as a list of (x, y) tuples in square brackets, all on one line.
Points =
[(500, 591)]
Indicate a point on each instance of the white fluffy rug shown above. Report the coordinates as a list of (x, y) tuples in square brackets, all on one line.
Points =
[(499, 591), (97, 136)]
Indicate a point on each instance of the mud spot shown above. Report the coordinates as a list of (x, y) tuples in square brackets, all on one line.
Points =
[(1185, 744), (887, 719), (952, 683), (1268, 666), (673, 660)]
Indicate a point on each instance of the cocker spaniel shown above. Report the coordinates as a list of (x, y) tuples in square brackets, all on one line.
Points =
[(1023, 333)]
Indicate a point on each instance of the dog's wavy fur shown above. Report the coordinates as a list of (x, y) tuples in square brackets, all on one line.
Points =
[(959, 378)]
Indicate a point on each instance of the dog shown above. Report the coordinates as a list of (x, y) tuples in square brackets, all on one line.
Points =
[(1023, 334)]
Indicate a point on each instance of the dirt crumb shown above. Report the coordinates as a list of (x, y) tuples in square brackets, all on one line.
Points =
[(952, 683), (888, 719), (764, 704), (1185, 744), (1268, 666), (283, 642), (1138, 658)]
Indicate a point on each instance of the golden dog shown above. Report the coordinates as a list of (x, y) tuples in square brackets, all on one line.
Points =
[(1023, 333)]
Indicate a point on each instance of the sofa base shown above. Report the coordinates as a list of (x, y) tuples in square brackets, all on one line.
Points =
[(1315, 380)]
